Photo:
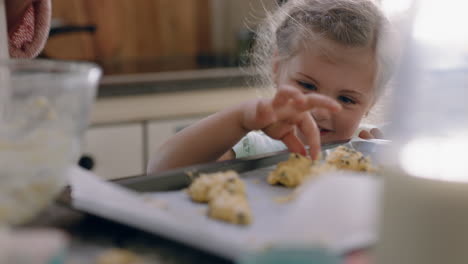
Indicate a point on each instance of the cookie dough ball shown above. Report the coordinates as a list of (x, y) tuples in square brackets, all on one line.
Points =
[(349, 159), (320, 168), (232, 208), (207, 186), (200, 188), (291, 172)]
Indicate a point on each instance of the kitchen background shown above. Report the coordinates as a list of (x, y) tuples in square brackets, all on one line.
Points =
[(166, 65), (153, 35)]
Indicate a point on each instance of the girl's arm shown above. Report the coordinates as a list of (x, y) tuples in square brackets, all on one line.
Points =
[(204, 141), (213, 137), (28, 26)]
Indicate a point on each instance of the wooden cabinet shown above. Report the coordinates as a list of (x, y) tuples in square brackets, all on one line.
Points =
[(122, 150), (132, 29), (117, 151)]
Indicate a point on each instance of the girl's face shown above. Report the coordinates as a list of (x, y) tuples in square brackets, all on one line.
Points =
[(344, 73)]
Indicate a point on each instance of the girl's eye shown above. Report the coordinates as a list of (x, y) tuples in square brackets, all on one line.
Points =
[(346, 100), (307, 86)]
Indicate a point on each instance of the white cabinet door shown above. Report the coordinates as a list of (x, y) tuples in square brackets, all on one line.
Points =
[(117, 151), (160, 131)]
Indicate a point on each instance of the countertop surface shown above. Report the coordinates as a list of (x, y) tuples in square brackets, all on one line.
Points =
[(173, 81), (144, 107), (168, 95)]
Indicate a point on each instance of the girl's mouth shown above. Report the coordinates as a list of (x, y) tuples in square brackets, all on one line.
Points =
[(324, 131)]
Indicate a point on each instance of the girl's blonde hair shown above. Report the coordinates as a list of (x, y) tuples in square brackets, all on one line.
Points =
[(353, 23)]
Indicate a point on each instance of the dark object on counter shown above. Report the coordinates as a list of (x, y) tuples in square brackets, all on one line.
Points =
[(86, 162)]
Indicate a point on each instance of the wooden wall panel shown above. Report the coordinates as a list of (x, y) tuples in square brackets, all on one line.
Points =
[(71, 46), (133, 29), (107, 16), (204, 34)]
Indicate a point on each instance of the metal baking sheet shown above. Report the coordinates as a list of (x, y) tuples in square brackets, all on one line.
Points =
[(158, 204), (181, 178)]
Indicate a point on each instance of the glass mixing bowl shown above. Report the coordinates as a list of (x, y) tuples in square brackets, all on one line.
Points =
[(41, 128)]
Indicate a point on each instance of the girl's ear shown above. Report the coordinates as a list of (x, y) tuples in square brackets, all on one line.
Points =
[(276, 67), (275, 62)]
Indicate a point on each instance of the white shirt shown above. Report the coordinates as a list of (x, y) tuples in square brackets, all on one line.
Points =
[(257, 142)]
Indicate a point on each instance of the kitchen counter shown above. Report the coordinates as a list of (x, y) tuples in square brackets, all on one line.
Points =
[(167, 105), (172, 81), (167, 95)]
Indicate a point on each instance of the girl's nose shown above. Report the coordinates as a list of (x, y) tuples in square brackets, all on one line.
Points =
[(320, 114)]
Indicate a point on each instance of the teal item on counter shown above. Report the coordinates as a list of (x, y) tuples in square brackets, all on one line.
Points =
[(59, 258), (292, 256)]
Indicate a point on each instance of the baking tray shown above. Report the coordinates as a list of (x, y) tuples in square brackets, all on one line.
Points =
[(181, 178), (157, 204)]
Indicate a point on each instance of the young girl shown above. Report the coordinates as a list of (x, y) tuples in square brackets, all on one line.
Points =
[(28, 26), (327, 67)]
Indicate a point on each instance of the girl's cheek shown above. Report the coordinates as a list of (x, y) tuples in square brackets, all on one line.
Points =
[(347, 124)]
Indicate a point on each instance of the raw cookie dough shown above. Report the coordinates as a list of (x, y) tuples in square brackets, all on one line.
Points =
[(294, 171), (232, 208), (291, 172), (207, 186), (225, 194), (349, 159)]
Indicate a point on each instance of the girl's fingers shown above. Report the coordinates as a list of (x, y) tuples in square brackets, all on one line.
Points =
[(315, 100), (320, 114), (257, 114), (309, 129), (285, 94), (312, 101), (364, 134), (376, 133), (265, 114), (278, 130), (373, 133), (294, 144)]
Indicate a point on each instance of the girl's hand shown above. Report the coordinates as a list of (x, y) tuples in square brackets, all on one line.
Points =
[(374, 133), (286, 114), (15, 10)]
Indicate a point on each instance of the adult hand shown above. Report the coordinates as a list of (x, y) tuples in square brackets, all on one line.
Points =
[(15, 11)]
